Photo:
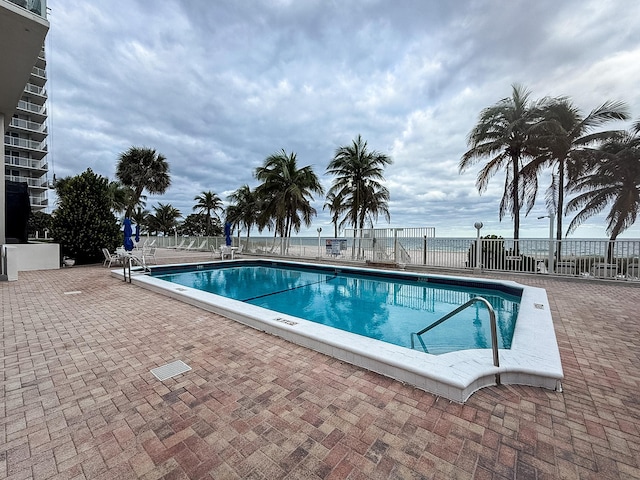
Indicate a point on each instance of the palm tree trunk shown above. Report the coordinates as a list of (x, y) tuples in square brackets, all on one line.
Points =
[(561, 167), (611, 245), (516, 203), (353, 247), (360, 249)]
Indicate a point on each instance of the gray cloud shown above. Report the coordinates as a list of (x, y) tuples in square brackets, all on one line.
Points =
[(218, 86)]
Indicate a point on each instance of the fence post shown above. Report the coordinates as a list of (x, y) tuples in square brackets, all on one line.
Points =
[(424, 251)]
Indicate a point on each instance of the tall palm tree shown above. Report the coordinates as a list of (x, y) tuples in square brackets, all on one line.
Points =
[(208, 202), (288, 191), (614, 180), (334, 203), (142, 169), (564, 137), (359, 174), (502, 135), (244, 211), (164, 218)]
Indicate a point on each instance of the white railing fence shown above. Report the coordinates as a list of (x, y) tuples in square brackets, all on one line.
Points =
[(419, 246)]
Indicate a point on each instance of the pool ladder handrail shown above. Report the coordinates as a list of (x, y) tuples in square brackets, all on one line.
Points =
[(492, 321)]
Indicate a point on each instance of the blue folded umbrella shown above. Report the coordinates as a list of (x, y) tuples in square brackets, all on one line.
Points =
[(128, 243), (227, 234)]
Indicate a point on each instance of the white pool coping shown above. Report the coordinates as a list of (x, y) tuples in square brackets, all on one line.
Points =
[(533, 359)]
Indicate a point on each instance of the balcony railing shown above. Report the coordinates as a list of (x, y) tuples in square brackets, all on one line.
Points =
[(38, 200), (39, 7), (25, 143), (25, 162), (32, 182), (40, 72), (35, 89), (28, 125), (32, 107)]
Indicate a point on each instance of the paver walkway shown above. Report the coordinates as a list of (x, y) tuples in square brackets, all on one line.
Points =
[(78, 400)]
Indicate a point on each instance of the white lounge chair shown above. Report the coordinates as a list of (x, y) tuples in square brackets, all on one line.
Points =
[(149, 254), (110, 258), (202, 246), (188, 247), (181, 244)]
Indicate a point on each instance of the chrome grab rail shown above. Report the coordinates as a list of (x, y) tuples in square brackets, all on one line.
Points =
[(492, 320)]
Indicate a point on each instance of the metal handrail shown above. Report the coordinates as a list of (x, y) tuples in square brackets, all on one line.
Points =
[(492, 320)]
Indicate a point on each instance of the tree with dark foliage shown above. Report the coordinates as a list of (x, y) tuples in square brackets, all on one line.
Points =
[(83, 224)]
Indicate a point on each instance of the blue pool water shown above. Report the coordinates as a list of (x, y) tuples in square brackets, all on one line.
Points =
[(384, 306)]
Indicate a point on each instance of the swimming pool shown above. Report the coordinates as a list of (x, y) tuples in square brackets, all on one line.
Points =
[(533, 358), (380, 306)]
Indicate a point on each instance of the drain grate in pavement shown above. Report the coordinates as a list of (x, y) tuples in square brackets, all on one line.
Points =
[(170, 370)]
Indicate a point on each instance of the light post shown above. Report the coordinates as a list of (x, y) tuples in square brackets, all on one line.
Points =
[(319, 246), (478, 226), (175, 236), (551, 217)]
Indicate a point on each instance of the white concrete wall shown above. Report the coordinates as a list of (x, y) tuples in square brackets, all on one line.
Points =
[(38, 256)]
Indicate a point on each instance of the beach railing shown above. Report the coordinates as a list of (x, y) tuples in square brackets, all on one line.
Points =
[(418, 246)]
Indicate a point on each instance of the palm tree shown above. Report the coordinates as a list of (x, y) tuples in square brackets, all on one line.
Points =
[(288, 191), (564, 138), (208, 202), (244, 211), (334, 204), (614, 180), (164, 218), (503, 135), (358, 184), (118, 196), (142, 169), (140, 216)]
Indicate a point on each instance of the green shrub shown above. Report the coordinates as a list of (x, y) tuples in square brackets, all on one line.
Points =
[(83, 223), (38, 222)]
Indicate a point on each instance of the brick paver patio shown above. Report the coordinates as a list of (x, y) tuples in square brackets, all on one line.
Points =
[(78, 400)]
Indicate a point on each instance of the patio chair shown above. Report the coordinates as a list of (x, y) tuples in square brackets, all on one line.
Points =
[(202, 246), (177, 247), (149, 254), (110, 258), (226, 251), (188, 247)]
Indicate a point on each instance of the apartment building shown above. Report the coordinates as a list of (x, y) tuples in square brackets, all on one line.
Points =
[(23, 114), (25, 141)]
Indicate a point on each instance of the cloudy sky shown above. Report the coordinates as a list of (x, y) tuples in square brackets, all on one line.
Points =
[(217, 86)]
